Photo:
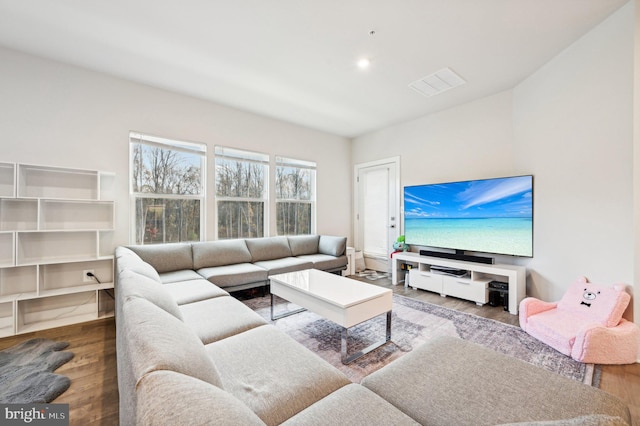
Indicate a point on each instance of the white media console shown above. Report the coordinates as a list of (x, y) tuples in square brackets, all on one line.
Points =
[(473, 285)]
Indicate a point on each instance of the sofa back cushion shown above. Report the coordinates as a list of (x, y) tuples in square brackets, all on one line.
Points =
[(131, 284), (166, 257), (333, 246), (268, 248), (602, 304), (158, 341), (303, 244), (220, 253), (127, 259)]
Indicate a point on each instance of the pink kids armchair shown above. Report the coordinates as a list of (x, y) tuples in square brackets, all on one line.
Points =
[(586, 324)]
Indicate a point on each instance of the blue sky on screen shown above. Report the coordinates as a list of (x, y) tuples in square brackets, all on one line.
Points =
[(502, 197)]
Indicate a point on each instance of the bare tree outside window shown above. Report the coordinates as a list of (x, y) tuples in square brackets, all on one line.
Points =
[(167, 187), (295, 196), (241, 193)]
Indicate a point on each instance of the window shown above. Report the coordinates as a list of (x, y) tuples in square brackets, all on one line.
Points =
[(241, 193), (167, 189), (295, 196)]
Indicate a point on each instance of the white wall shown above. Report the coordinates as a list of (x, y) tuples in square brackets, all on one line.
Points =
[(470, 141), (569, 124), (573, 131), (60, 115)]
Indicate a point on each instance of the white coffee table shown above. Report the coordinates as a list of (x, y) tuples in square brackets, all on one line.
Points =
[(344, 301)]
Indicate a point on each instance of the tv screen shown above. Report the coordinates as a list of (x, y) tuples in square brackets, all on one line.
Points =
[(489, 215)]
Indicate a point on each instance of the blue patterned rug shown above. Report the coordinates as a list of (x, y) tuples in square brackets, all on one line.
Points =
[(414, 323)]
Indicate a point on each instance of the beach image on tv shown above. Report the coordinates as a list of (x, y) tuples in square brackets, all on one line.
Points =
[(491, 216)]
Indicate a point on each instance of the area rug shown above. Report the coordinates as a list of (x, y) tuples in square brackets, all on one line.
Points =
[(414, 323), (26, 372)]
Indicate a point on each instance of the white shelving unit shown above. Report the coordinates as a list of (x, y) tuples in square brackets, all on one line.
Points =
[(55, 225), (473, 285)]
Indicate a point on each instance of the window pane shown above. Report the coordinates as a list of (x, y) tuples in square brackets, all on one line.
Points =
[(293, 183), (161, 220), (158, 170), (235, 178), (293, 218), (240, 219)]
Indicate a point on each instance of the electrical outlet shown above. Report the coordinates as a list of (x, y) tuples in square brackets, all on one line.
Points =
[(86, 278)]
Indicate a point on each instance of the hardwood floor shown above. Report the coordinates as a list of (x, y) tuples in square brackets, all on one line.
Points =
[(93, 395)]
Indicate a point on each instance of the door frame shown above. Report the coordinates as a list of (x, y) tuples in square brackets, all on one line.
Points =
[(358, 239)]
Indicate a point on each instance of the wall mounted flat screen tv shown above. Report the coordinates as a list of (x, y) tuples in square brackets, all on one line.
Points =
[(489, 215)]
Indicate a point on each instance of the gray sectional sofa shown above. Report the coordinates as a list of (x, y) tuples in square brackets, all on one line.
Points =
[(190, 354), (244, 263)]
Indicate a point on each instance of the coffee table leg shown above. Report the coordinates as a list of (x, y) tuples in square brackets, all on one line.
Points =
[(284, 314), (346, 359)]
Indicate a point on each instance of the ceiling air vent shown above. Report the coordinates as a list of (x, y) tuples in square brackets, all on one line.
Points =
[(438, 82)]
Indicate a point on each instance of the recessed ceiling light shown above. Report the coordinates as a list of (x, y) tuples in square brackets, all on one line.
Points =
[(364, 63)]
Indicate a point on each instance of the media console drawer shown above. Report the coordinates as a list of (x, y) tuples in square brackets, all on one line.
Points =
[(466, 288), (426, 280)]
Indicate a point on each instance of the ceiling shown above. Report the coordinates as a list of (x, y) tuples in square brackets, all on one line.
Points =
[(295, 60)]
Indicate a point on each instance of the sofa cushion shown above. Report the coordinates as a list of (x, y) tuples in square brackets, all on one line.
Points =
[(159, 341), (588, 420), (273, 374), (496, 388), (131, 284), (193, 291), (219, 318), (166, 257), (268, 248), (286, 264), (334, 246), (351, 405), (325, 262), (127, 259), (303, 244), (182, 275), (234, 275), (201, 403), (220, 253)]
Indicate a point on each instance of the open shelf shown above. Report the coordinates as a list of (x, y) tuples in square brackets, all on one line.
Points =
[(6, 319), (70, 276), (7, 245), (48, 312), (78, 215), (7, 180), (56, 247), (18, 214), (107, 186), (106, 304), (56, 182), (18, 282)]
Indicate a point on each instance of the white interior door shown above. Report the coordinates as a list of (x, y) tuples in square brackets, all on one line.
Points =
[(377, 212)]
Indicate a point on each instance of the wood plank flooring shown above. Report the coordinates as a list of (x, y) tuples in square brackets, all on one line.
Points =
[(93, 395)]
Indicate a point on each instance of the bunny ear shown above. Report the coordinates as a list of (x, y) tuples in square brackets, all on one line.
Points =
[(582, 280)]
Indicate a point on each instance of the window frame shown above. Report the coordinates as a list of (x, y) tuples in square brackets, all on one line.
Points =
[(248, 156), (283, 161), (193, 148)]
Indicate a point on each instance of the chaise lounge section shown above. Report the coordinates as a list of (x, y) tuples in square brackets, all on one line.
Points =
[(190, 353)]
